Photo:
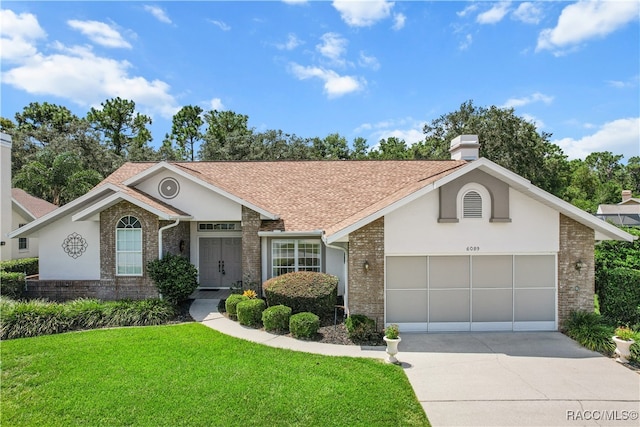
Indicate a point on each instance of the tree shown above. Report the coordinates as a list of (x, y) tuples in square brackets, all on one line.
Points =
[(505, 138), (122, 128), (391, 148), (633, 175), (43, 122), (185, 130), (57, 178), (227, 136), (360, 149), (332, 147)]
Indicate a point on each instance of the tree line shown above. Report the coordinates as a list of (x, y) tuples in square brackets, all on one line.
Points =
[(59, 156)]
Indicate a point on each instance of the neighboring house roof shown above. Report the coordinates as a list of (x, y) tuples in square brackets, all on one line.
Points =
[(29, 206), (334, 197)]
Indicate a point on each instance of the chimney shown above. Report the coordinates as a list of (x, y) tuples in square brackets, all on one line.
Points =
[(626, 195), (465, 147), (5, 196)]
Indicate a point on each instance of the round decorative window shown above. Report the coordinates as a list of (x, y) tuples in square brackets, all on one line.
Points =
[(168, 188)]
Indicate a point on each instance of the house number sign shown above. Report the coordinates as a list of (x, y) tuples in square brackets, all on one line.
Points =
[(473, 248)]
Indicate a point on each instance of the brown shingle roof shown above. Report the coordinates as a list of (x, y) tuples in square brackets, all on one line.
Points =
[(312, 195), (35, 206)]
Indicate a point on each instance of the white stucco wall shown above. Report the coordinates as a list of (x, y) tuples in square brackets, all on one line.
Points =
[(32, 242), (55, 264), (414, 230), (203, 204)]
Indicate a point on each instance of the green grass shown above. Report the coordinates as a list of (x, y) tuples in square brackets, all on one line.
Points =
[(190, 375)]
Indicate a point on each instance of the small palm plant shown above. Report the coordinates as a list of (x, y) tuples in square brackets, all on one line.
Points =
[(250, 293)]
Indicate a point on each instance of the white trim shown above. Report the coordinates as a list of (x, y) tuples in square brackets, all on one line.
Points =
[(53, 215), (136, 179), (491, 326), (118, 197), (535, 326), (23, 211), (449, 326), (290, 234)]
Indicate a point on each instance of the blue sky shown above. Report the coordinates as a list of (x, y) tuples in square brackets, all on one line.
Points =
[(371, 69)]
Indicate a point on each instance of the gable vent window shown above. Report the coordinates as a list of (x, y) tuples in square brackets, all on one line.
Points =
[(472, 205)]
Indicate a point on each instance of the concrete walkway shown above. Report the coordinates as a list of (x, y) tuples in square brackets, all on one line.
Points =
[(489, 379)]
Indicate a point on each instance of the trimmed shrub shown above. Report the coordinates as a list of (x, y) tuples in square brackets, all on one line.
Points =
[(27, 266), (276, 318), (231, 303), (250, 311), (619, 295), (304, 291), (11, 284), (590, 331), (174, 276), (361, 329), (38, 317), (304, 325)]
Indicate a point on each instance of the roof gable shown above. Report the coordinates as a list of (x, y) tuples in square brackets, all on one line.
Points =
[(30, 206)]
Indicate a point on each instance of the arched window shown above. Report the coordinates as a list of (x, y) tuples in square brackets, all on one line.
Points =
[(129, 247), (472, 205)]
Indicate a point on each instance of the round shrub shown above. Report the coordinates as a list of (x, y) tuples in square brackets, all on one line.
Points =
[(174, 276), (304, 325), (276, 318), (361, 329), (231, 304), (304, 291), (250, 311), (11, 284)]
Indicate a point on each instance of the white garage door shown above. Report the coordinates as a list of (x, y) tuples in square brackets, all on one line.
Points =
[(472, 293)]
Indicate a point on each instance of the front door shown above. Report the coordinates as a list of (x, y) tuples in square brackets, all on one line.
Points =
[(220, 261)]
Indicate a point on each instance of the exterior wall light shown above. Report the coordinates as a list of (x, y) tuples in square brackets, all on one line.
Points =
[(580, 265), (365, 265)]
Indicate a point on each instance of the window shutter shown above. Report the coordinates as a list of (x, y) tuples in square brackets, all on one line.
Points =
[(472, 205)]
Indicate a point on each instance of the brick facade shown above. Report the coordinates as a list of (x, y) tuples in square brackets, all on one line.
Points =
[(251, 259), (366, 287), (576, 288)]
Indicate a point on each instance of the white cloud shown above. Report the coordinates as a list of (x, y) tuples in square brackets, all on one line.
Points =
[(291, 43), (398, 21), (86, 79), (333, 46), (623, 84), (495, 14), (294, 2), (158, 13), (19, 35), (467, 10), (539, 124), (529, 13), (464, 45), (619, 136), (535, 97), (335, 85), (363, 13), (220, 24), (99, 33), (407, 128), (216, 104), (585, 20), (368, 61)]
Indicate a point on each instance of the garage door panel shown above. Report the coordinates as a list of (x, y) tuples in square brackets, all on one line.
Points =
[(493, 305), (449, 306), (534, 305), (407, 273), (534, 271), (407, 306), (492, 271), (449, 272)]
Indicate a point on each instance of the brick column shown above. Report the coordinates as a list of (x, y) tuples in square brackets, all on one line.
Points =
[(251, 260), (576, 288), (366, 288)]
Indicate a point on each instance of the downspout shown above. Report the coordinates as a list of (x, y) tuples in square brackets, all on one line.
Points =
[(346, 273), (166, 227)]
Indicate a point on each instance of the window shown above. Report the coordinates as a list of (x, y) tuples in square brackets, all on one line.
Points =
[(129, 247), (219, 226), (472, 205), (23, 242), (295, 255)]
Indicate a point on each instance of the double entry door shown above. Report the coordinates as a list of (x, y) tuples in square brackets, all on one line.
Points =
[(220, 261)]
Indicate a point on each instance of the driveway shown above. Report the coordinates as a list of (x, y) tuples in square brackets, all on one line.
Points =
[(517, 379)]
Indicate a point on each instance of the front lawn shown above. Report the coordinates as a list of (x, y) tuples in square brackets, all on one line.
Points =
[(190, 375)]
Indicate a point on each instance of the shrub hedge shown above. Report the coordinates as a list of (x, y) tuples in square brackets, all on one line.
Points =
[(304, 291), (361, 329), (11, 284), (38, 317), (619, 295), (276, 318), (250, 311), (232, 302), (27, 266), (174, 276), (304, 325)]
